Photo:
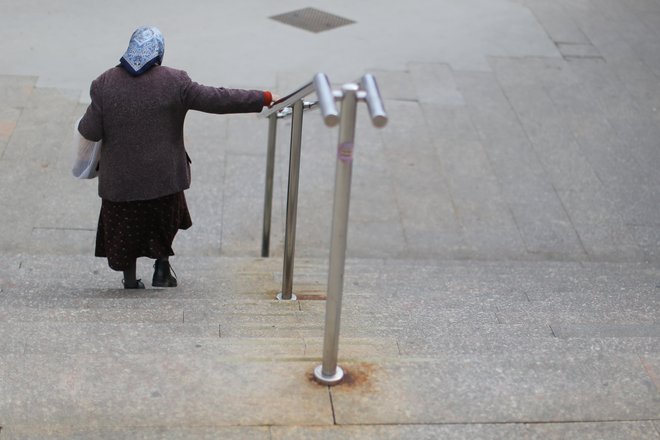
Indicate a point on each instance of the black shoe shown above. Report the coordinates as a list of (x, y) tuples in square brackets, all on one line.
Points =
[(163, 275), (138, 285)]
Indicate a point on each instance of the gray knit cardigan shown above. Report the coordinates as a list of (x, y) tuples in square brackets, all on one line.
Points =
[(140, 120)]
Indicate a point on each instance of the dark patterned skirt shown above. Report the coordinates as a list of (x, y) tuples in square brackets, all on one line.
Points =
[(143, 228)]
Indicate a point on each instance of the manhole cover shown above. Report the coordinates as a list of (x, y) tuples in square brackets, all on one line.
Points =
[(313, 20)]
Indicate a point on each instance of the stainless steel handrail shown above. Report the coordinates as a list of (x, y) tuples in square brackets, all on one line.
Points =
[(292, 105), (365, 89), (329, 372), (326, 101)]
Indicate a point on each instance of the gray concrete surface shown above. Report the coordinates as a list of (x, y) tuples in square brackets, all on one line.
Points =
[(502, 279)]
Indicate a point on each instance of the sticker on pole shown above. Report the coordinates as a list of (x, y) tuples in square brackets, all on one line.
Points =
[(345, 152)]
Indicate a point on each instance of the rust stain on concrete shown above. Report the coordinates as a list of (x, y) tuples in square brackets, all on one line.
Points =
[(359, 377), (7, 129), (651, 373)]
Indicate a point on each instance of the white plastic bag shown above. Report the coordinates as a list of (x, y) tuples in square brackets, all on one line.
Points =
[(86, 155)]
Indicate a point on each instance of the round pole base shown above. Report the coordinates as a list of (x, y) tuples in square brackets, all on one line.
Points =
[(293, 297), (328, 380)]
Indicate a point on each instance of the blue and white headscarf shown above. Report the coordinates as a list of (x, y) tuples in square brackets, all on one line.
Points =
[(146, 48)]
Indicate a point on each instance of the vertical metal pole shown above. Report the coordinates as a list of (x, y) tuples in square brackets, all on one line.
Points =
[(329, 372), (270, 171), (292, 202)]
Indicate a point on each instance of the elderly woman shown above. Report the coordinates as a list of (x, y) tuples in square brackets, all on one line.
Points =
[(138, 110)]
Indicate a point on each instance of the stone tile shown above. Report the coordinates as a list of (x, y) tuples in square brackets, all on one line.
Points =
[(372, 203), (133, 390), (395, 85), (12, 342), (240, 176), (378, 239), (514, 339), (631, 28), (593, 430), (563, 314), (541, 219), (648, 239), (596, 89), (202, 129), (651, 364), (242, 226), (486, 221), (565, 330), (70, 240), (52, 338), (640, 134), (608, 35), (503, 388), (557, 21), (117, 315), (145, 433), (578, 50), (76, 208), (16, 90), (357, 348), (407, 135), (418, 184), (602, 232), (44, 126), (8, 119), (229, 340), (604, 431), (547, 128), (205, 203), (424, 243), (537, 431), (19, 219), (290, 81), (617, 170), (435, 84), (246, 134)]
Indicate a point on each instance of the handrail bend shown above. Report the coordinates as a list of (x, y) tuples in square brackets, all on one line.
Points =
[(326, 101)]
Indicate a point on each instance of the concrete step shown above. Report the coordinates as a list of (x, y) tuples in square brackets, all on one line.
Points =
[(65, 393), (250, 341), (436, 337), (554, 431), (447, 299)]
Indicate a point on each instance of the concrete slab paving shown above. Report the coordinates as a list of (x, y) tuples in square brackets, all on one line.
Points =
[(501, 341), (156, 390), (546, 391), (146, 433), (495, 29), (601, 431)]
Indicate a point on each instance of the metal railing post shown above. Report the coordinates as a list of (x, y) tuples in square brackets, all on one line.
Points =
[(329, 372), (281, 109), (270, 171), (292, 202)]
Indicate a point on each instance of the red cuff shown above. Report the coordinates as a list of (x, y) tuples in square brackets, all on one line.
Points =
[(268, 98)]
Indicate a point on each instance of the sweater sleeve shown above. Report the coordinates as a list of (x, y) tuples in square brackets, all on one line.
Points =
[(91, 124), (220, 100)]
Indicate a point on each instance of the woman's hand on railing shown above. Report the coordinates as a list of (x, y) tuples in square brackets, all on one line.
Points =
[(276, 98)]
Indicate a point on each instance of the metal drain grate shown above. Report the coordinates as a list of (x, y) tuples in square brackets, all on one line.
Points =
[(313, 20)]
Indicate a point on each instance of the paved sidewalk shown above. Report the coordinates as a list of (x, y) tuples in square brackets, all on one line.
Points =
[(502, 279)]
